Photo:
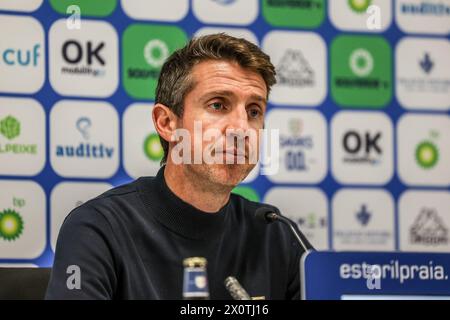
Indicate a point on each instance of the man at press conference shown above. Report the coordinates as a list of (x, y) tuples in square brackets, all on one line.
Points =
[(130, 242)]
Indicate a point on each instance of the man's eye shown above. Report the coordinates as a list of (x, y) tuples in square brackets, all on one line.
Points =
[(254, 113), (217, 105)]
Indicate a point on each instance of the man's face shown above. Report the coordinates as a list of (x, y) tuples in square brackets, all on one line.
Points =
[(225, 98)]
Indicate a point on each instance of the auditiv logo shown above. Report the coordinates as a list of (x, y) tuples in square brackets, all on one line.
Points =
[(84, 149), (84, 58)]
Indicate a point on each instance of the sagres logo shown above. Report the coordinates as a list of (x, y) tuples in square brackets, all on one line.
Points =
[(361, 71), (152, 147), (11, 225), (427, 152), (297, 13), (85, 60), (144, 50), (22, 220), (429, 229), (302, 145), (423, 80)]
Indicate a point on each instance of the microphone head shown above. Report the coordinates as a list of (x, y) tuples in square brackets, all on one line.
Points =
[(264, 213)]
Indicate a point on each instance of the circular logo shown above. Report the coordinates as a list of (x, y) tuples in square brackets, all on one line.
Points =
[(427, 154), (11, 225), (359, 5), (156, 52), (152, 147), (361, 62), (247, 192)]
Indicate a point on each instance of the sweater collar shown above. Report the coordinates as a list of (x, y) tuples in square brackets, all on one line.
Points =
[(178, 215)]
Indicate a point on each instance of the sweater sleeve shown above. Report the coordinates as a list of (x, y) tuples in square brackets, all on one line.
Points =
[(84, 262)]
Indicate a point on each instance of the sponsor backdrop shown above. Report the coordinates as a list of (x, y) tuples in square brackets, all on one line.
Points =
[(362, 104)]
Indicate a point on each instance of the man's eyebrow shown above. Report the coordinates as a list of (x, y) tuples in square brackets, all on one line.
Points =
[(227, 93)]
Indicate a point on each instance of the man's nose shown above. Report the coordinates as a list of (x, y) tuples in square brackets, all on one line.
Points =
[(238, 119)]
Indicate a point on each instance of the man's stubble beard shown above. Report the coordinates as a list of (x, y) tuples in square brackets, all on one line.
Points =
[(218, 177)]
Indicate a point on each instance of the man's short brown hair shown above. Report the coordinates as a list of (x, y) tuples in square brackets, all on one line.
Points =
[(175, 80)]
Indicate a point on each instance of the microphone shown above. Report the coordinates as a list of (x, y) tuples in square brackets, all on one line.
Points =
[(235, 289), (268, 215)]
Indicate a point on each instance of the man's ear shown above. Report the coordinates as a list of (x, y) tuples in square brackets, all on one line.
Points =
[(165, 121)]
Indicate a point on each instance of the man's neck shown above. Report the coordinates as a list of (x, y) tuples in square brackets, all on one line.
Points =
[(191, 190)]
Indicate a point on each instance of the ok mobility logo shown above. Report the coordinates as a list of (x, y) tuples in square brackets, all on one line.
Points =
[(362, 147), (145, 49), (83, 58), (361, 71)]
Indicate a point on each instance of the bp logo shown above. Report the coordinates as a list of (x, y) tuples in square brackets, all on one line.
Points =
[(359, 6), (11, 225), (427, 154), (152, 147), (10, 127), (156, 52), (361, 62)]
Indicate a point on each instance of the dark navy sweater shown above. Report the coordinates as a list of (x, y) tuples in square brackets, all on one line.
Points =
[(130, 242)]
